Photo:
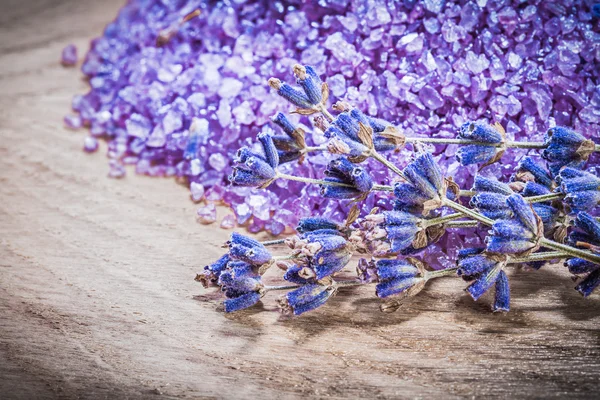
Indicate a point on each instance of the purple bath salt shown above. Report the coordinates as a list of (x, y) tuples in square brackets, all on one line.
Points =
[(68, 56), (207, 214), (428, 67), (90, 144)]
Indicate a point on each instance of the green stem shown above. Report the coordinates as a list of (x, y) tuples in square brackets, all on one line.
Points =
[(462, 224), (544, 197), (273, 242), (521, 145), (571, 251), (526, 145), (383, 188), (310, 180), (467, 193), (325, 112), (542, 256), (309, 149), (442, 141), (335, 283), (442, 220), (387, 163), (349, 283), (281, 258), (440, 273), (469, 212), (282, 287)]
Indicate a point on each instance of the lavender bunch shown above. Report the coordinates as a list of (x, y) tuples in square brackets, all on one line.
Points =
[(543, 214)]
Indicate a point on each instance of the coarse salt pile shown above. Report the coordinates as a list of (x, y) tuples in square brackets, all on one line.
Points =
[(427, 66)]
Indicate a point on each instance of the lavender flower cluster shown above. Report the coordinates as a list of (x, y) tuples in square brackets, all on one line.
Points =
[(176, 87), (542, 214)]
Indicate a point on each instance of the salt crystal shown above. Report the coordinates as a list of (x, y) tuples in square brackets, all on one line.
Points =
[(435, 6), (431, 25), (431, 98), (378, 15), (224, 113), (590, 114), (197, 190), (217, 161), (230, 88), (243, 213), (340, 48), (73, 121), (138, 126), (514, 60), (337, 85), (157, 138), (477, 63), (207, 214), (243, 114), (69, 56), (172, 122), (90, 144), (228, 222)]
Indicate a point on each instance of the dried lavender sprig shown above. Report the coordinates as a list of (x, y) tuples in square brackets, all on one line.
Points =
[(572, 251), (507, 144), (489, 138)]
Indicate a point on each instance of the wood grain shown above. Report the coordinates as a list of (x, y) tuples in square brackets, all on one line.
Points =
[(97, 298)]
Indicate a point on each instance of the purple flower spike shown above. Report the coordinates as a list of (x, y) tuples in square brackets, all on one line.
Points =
[(426, 187), (529, 171), (484, 270), (502, 296), (587, 236), (255, 170), (310, 82), (591, 282), (213, 271), (316, 223), (491, 196), (269, 148), (248, 250), (326, 253), (519, 235), (393, 231), (399, 277), (242, 286), (294, 275), (357, 180), (306, 298), (290, 146), (489, 144), (581, 188), (566, 147), (241, 302), (291, 94), (472, 262)]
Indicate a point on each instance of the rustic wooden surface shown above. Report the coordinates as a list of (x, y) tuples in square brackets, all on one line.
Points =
[(97, 298)]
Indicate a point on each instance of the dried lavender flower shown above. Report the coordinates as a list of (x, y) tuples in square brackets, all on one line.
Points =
[(249, 250), (519, 235), (566, 147), (489, 145), (306, 298), (581, 189), (425, 188)]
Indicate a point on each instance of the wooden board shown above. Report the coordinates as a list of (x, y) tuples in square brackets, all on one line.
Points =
[(97, 298)]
